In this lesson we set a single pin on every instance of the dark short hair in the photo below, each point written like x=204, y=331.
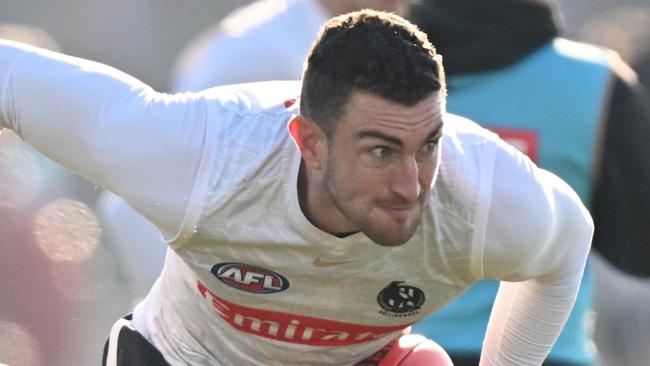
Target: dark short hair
x=370, y=51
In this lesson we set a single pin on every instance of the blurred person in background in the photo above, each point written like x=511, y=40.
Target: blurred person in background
x=265, y=40
x=621, y=300
x=575, y=109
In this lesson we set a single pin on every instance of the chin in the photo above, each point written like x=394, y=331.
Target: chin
x=390, y=233
x=391, y=239
x=390, y=243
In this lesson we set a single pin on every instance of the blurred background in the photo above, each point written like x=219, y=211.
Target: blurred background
x=62, y=283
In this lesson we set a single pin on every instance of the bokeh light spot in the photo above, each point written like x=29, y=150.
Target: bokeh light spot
x=17, y=345
x=67, y=230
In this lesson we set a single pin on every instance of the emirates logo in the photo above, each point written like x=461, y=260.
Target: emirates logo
x=293, y=328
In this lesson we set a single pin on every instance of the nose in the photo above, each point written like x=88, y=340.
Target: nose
x=406, y=180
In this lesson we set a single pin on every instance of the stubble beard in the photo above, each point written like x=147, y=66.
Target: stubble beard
x=377, y=232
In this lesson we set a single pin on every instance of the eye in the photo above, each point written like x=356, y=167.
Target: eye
x=381, y=152
x=430, y=147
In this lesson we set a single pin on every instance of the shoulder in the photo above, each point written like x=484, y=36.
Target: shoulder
x=262, y=24
x=467, y=151
x=522, y=215
x=251, y=115
x=248, y=126
x=581, y=51
x=461, y=134
x=591, y=55
x=261, y=14
x=534, y=218
x=255, y=97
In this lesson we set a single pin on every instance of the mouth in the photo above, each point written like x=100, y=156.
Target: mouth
x=398, y=212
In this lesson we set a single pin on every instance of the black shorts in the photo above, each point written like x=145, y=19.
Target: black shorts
x=127, y=347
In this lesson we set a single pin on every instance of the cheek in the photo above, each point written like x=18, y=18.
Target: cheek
x=363, y=182
x=361, y=185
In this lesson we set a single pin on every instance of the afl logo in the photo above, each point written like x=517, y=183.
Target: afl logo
x=400, y=299
x=249, y=278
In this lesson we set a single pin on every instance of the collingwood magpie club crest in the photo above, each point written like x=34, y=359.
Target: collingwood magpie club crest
x=398, y=300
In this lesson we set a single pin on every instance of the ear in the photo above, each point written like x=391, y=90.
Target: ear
x=311, y=141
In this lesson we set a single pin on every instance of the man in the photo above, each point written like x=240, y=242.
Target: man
x=575, y=109
x=323, y=242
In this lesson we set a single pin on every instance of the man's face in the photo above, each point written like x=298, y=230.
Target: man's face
x=381, y=165
x=399, y=7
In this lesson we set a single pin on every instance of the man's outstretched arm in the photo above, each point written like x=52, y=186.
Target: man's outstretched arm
x=537, y=241
x=108, y=127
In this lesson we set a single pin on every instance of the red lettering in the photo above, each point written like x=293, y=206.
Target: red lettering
x=525, y=140
x=291, y=327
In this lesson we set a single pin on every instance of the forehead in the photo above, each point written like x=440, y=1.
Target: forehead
x=368, y=111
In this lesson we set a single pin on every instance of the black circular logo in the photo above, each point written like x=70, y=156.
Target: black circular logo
x=400, y=299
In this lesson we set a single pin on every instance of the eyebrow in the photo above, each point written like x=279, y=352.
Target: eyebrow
x=433, y=135
x=379, y=135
